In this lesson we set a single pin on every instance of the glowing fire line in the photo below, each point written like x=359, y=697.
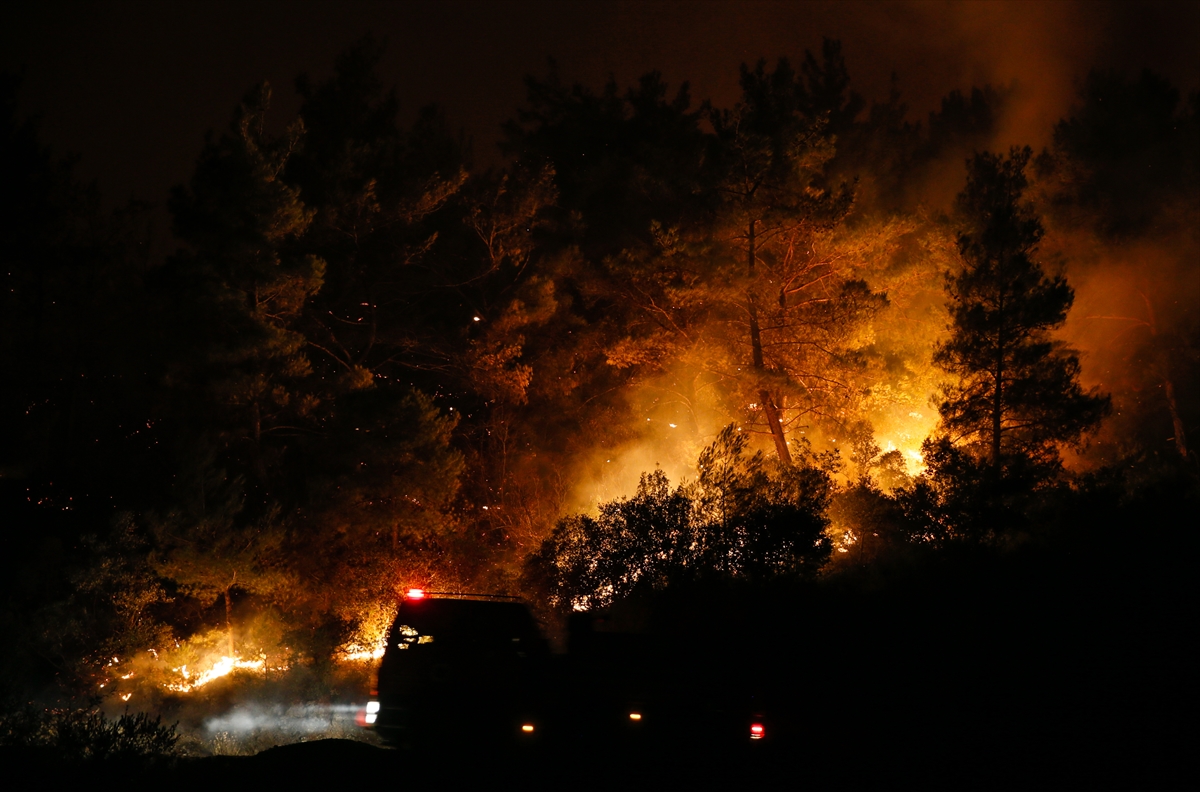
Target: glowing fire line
x=222, y=667
x=359, y=654
x=367, y=645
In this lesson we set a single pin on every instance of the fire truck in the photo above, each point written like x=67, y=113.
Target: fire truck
x=460, y=667
x=471, y=668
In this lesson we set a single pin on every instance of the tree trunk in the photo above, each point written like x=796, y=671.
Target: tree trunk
x=229, y=612
x=770, y=408
x=1168, y=386
x=775, y=421
x=997, y=400
x=1176, y=420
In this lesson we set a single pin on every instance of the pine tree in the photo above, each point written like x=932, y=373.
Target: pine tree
x=1016, y=395
x=249, y=283
x=793, y=309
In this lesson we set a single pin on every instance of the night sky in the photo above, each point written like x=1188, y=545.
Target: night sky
x=132, y=87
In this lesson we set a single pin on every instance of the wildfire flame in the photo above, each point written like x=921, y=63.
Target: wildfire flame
x=196, y=665
x=354, y=653
x=223, y=666
x=370, y=639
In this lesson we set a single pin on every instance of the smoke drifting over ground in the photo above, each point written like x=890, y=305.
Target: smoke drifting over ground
x=248, y=712
x=250, y=727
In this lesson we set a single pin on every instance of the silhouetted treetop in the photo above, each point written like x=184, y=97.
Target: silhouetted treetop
x=1017, y=393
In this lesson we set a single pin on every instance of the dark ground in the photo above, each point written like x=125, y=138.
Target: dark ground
x=1043, y=668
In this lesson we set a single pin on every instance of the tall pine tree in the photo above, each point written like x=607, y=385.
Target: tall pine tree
x=1015, y=396
x=248, y=281
x=793, y=309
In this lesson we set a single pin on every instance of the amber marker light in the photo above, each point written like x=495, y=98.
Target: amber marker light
x=527, y=728
x=635, y=716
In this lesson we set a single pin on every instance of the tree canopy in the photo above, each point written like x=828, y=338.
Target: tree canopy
x=1016, y=394
x=744, y=518
x=369, y=364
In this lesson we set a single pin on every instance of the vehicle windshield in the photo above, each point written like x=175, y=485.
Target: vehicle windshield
x=462, y=621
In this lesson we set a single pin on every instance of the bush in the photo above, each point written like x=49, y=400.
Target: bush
x=745, y=518
x=78, y=735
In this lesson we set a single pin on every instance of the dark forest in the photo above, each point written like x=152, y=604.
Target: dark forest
x=928, y=404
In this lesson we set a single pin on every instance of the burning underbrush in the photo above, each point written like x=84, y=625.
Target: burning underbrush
x=186, y=666
x=269, y=690
x=369, y=638
x=253, y=706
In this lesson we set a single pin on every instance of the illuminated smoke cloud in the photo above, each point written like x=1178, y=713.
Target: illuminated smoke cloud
x=297, y=719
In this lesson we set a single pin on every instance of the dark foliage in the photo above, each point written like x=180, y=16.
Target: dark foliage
x=744, y=518
x=1127, y=159
x=1014, y=399
x=87, y=735
x=1016, y=393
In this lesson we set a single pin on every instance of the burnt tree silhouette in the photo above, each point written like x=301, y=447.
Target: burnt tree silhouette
x=1016, y=396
